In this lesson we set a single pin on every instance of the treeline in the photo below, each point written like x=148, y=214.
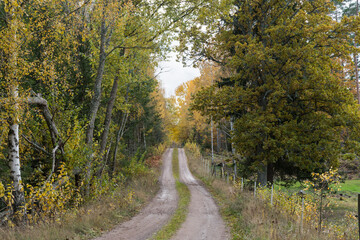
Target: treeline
x=281, y=86
x=78, y=96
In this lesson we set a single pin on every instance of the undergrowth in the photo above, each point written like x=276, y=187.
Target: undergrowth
x=95, y=216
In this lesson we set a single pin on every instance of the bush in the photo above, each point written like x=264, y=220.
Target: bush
x=193, y=148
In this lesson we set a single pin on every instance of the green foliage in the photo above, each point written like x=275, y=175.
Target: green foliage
x=53, y=51
x=293, y=113
x=136, y=166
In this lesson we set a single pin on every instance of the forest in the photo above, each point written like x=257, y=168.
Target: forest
x=82, y=110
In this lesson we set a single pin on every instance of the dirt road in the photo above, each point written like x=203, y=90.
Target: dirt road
x=203, y=220
x=156, y=214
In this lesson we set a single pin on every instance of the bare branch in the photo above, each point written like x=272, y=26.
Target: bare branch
x=35, y=145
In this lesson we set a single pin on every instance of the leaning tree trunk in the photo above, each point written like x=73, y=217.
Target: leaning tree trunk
x=105, y=133
x=119, y=134
x=109, y=108
x=95, y=103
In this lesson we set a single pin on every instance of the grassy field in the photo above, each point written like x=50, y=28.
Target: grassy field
x=351, y=186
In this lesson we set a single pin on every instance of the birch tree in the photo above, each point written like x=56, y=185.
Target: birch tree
x=13, y=68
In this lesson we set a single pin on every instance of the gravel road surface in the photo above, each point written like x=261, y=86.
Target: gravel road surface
x=155, y=215
x=203, y=220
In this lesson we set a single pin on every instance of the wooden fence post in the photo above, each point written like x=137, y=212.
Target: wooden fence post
x=255, y=189
x=272, y=193
x=302, y=214
x=242, y=184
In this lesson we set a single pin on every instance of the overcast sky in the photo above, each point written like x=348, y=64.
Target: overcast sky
x=173, y=74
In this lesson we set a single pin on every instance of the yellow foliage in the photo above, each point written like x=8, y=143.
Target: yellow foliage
x=45, y=202
x=291, y=205
x=2, y=190
x=193, y=148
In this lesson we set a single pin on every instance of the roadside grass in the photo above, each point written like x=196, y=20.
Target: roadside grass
x=249, y=218
x=230, y=203
x=181, y=212
x=95, y=217
x=339, y=205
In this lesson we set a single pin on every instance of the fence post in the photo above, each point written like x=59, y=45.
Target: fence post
x=222, y=171
x=272, y=193
x=302, y=214
x=242, y=184
x=255, y=189
x=207, y=168
x=227, y=177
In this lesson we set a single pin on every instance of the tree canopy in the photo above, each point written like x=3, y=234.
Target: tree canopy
x=294, y=114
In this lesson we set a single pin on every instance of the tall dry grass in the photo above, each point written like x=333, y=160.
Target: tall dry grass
x=253, y=218
x=95, y=217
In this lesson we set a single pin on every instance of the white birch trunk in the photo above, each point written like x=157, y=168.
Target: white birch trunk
x=13, y=134
x=14, y=157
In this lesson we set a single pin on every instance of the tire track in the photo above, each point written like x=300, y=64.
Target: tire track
x=203, y=220
x=155, y=215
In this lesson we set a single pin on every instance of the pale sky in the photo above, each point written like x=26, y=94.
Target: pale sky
x=173, y=74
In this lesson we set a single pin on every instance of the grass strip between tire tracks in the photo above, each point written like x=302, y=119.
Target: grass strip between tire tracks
x=182, y=210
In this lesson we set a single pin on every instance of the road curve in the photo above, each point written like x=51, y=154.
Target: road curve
x=203, y=220
x=155, y=215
